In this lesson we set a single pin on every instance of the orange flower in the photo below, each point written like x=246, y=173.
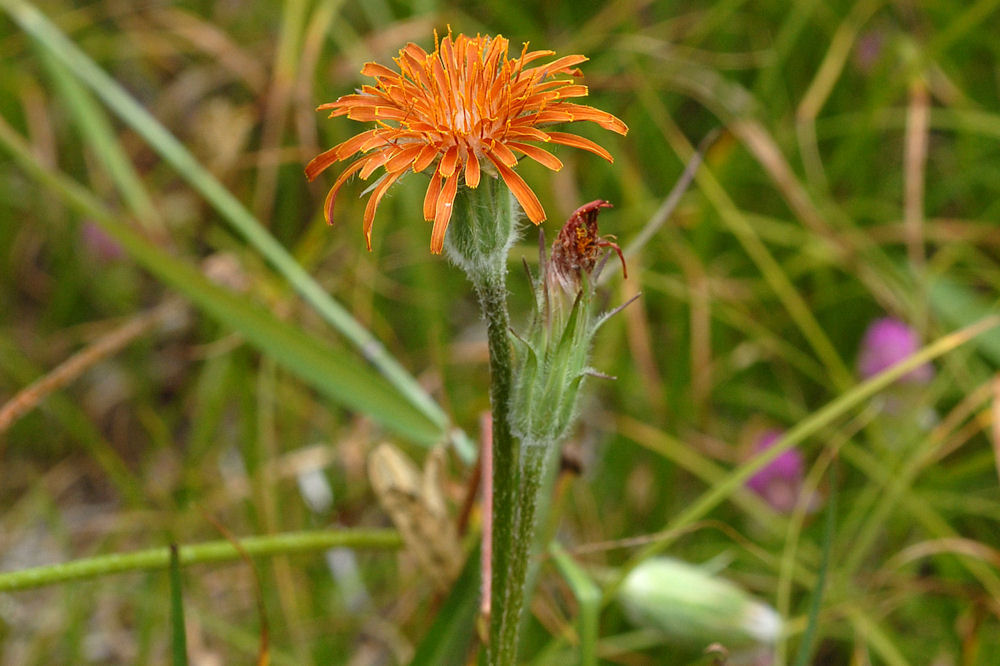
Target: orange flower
x=467, y=108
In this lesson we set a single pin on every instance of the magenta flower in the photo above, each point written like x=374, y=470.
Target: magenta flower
x=780, y=482
x=887, y=342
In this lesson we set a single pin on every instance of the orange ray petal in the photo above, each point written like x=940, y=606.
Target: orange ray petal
x=331, y=196
x=572, y=91
x=404, y=157
x=550, y=116
x=550, y=84
x=381, y=137
x=375, y=70
x=321, y=162
x=472, y=171
x=535, y=55
x=427, y=154
x=496, y=50
x=539, y=100
x=373, y=202
x=527, y=132
x=602, y=118
x=543, y=157
x=347, y=102
x=442, y=214
x=502, y=153
x=374, y=161
x=347, y=148
x=448, y=54
x=423, y=127
x=431, y=196
x=415, y=52
x=414, y=67
x=525, y=196
x=579, y=142
x=380, y=112
x=557, y=66
x=449, y=161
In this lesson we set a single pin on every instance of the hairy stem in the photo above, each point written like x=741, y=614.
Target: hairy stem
x=506, y=585
x=535, y=465
x=478, y=241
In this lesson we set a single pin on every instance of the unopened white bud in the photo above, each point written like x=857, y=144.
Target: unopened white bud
x=689, y=605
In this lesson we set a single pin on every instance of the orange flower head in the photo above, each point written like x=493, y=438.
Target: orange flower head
x=465, y=109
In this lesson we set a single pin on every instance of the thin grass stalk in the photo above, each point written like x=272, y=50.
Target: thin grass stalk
x=158, y=559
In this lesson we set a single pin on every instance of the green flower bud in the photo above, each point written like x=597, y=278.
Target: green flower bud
x=691, y=606
x=552, y=356
x=485, y=226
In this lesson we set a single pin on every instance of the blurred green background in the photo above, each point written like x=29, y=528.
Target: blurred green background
x=856, y=176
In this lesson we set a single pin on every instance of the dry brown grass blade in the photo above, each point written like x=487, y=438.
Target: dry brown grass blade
x=210, y=39
x=958, y=425
x=669, y=205
x=953, y=545
x=70, y=369
x=304, y=106
x=264, y=649
x=833, y=63
x=700, y=326
x=914, y=168
x=641, y=348
x=995, y=430
x=764, y=148
x=277, y=108
x=847, y=244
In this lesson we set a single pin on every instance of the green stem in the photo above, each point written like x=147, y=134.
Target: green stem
x=505, y=580
x=211, y=551
x=478, y=241
x=535, y=464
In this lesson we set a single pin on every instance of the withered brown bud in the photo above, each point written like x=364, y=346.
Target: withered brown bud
x=575, y=250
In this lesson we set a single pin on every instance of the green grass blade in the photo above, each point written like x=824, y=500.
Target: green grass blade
x=448, y=640
x=179, y=639
x=332, y=371
x=33, y=22
x=816, y=603
x=588, y=597
x=959, y=306
x=95, y=130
